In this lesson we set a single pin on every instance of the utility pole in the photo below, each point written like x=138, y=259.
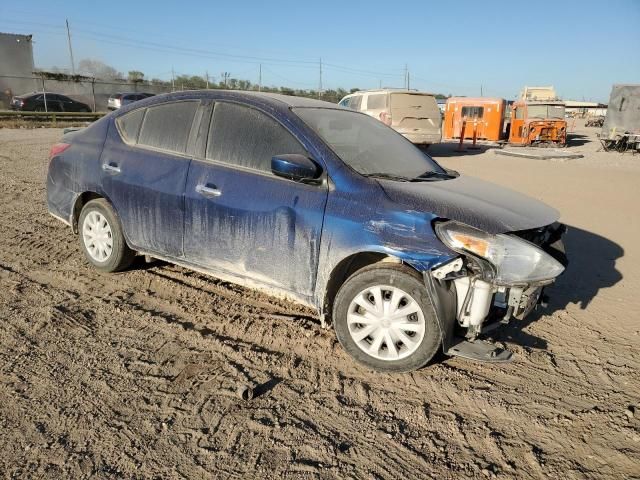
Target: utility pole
x=260, y=78
x=207, y=77
x=73, y=66
x=320, y=85
x=225, y=76
x=173, y=80
x=408, y=80
x=481, y=90
x=406, y=76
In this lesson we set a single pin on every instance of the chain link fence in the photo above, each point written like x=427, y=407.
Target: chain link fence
x=93, y=93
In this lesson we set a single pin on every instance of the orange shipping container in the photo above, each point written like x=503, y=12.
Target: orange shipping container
x=485, y=115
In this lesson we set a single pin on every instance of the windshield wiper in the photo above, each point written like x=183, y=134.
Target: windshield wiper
x=434, y=174
x=388, y=176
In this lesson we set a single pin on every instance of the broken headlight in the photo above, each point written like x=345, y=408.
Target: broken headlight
x=514, y=260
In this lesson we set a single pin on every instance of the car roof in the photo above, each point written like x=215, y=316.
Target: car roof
x=390, y=90
x=25, y=95
x=240, y=95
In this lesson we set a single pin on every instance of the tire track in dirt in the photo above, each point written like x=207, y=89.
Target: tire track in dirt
x=132, y=375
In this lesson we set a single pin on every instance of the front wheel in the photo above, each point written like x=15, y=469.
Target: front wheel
x=384, y=319
x=101, y=237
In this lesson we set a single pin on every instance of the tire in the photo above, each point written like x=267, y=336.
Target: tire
x=101, y=237
x=415, y=338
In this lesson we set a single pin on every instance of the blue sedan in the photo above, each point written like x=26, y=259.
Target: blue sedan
x=307, y=200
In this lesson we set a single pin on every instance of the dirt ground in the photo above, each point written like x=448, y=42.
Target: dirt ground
x=133, y=375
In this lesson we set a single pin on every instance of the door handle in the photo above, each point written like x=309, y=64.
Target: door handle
x=107, y=167
x=208, y=191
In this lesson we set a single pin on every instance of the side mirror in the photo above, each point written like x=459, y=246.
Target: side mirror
x=295, y=167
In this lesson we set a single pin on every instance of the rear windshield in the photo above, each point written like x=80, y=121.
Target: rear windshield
x=366, y=144
x=414, y=103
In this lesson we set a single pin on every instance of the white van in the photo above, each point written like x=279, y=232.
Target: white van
x=411, y=113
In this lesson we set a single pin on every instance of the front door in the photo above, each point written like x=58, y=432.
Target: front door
x=517, y=134
x=242, y=219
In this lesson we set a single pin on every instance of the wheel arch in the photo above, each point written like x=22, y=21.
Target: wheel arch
x=84, y=198
x=347, y=267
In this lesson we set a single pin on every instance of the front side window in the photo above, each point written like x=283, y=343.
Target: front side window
x=519, y=113
x=246, y=137
x=355, y=102
x=167, y=126
x=366, y=144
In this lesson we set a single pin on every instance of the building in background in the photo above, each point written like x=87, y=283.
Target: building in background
x=16, y=60
x=539, y=93
x=585, y=109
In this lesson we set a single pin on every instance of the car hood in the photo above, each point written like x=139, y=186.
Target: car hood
x=472, y=201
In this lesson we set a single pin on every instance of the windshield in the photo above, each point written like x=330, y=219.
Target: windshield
x=366, y=144
x=545, y=111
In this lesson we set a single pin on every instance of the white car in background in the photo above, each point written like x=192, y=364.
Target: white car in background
x=413, y=114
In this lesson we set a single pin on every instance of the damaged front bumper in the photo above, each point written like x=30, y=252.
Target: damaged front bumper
x=469, y=301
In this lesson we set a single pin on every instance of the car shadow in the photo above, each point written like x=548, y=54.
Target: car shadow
x=450, y=149
x=592, y=267
x=577, y=140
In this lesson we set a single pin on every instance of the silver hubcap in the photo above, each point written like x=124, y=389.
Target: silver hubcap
x=97, y=236
x=386, y=322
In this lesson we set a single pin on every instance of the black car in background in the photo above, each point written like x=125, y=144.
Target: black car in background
x=35, y=102
x=118, y=100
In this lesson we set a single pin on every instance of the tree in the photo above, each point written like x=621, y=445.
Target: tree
x=135, y=76
x=98, y=69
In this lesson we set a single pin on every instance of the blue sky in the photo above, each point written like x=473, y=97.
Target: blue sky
x=580, y=47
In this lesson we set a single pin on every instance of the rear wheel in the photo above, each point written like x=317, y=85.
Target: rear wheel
x=101, y=237
x=384, y=318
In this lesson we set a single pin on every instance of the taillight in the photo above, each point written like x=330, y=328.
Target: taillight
x=57, y=149
x=385, y=118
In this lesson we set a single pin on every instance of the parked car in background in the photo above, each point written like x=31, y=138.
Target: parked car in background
x=413, y=114
x=47, y=102
x=121, y=99
x=344, y=215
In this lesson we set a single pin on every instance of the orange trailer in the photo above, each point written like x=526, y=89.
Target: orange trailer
x=484, y=115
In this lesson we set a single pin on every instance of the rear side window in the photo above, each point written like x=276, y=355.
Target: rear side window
x=377, y=102
x=355, y=102
x=129, y=125
x=167, y=126
x=246, y=137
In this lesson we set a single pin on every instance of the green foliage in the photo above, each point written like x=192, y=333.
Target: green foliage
x=135, y=76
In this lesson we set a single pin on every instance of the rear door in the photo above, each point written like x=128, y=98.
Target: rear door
x=415, y=113
x=242, y=219
x=145, y=162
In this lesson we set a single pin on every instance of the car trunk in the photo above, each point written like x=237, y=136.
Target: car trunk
x=415, y=113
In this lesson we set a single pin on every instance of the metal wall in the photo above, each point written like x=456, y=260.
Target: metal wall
x=623, y=114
